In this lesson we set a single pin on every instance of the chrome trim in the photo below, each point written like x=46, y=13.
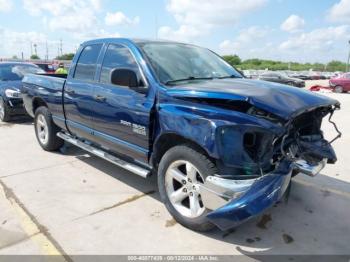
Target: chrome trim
x=110, y=158
x=217, y=192
x=311, y=170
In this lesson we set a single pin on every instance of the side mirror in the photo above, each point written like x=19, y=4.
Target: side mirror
x=128, y=78
x=124, y=77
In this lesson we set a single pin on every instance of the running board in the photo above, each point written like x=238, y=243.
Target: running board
x=100, y=153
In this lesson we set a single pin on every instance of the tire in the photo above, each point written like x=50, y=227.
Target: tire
x=179, y=158
x=4, y=111
x=46, y=130
x=338, y=89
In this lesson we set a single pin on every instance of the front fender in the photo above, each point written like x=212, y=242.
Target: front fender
x=202, y=124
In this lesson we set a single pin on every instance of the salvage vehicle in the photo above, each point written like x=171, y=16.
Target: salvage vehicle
x=11, y=75
x=282, y=79
x=224, y=147
x=340, y=84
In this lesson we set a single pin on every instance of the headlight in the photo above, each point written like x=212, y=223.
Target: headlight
x=10, y=93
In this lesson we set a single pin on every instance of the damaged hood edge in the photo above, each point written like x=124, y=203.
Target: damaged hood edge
x=283, y=101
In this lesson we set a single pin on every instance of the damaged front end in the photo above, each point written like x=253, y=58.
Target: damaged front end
x=255, y=173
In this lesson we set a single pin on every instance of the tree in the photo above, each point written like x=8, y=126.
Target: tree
x=34, y=57
x=233, y=59
x=68, y=56
x=14, y=57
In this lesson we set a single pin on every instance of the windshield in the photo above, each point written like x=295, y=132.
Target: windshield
x=174, y=62
x=16, y=72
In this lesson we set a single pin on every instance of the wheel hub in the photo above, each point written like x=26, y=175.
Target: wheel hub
x=183, y=188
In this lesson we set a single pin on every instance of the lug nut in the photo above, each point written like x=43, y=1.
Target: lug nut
x=189, y=180
x=191, y=193
x=184, y=190
x=184, y=182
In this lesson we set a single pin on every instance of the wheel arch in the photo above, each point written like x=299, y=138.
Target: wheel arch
x=168, y=140
x=38, y=102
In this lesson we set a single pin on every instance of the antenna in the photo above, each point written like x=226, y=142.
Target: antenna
x=156, y=25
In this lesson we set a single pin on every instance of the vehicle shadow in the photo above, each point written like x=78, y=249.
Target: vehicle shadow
x=18, y=120
x=314, y=219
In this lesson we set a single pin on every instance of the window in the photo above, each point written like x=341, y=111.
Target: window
x=86, y=65
x=117, y=57
x=173, y=62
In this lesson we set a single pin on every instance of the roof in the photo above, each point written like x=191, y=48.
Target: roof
x=128, y=40
x=16, y=63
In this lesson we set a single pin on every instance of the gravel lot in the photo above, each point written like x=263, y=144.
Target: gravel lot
x=74, y=203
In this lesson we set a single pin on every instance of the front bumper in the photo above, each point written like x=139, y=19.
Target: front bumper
x=251, y=197
x=15, y=106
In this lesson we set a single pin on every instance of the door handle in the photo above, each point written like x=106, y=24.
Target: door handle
x=70, y=91
x=100, y=98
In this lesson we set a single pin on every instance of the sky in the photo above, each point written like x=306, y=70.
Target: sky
x=287, y=30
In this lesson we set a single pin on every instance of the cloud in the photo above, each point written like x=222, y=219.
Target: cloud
x=327, y=43
x=340, y=12
x=67, y=15
x=119, y=18
x=198, y=19
x=6, y=5
x=293, y=24
x=247, y=39
x=12, y=41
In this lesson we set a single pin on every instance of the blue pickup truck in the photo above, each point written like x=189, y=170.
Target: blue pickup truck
x=224, y=147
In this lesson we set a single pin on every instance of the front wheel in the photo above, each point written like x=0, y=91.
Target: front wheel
x=338, y=89
x=4, y=112
x=46, y=130
x=181, y=172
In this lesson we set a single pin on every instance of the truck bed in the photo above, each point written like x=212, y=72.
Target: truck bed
x=46, y=89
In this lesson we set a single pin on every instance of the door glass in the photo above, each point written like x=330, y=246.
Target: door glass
x=86, y=66
x=117, y=56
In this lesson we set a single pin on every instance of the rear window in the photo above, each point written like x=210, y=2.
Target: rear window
x=86, y=66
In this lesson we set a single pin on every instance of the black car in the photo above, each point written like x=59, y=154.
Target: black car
x=11, y=74
x=282, y=79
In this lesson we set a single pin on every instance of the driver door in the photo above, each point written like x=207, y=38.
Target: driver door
x=120, y=114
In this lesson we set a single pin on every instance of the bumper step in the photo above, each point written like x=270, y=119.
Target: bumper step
x=110, y=158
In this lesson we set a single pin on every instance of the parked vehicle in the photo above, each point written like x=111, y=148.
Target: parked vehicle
x=47, y=67
x=224, y=147
x=282, y=79
x=11, y=74
x=301, y=76
x=340, y=84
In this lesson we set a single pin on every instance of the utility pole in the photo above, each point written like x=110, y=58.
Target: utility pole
x=347, y=65
x=61, y=47
x=35, y=50
x=47, y=52
x=31, y=48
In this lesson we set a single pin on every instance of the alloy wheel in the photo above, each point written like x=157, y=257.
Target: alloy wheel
x=42, y=129
x=2, y=110
x=182, y=183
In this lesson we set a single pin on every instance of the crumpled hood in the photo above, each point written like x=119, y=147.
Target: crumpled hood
x=281, y=100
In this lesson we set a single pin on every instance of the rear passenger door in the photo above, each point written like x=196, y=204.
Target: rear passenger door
x=78, y=93
x=121, y=115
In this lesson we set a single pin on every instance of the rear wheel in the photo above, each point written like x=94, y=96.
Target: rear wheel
x=338, y=89
x=46, y=130
x=4, y=111
x=181, y=172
